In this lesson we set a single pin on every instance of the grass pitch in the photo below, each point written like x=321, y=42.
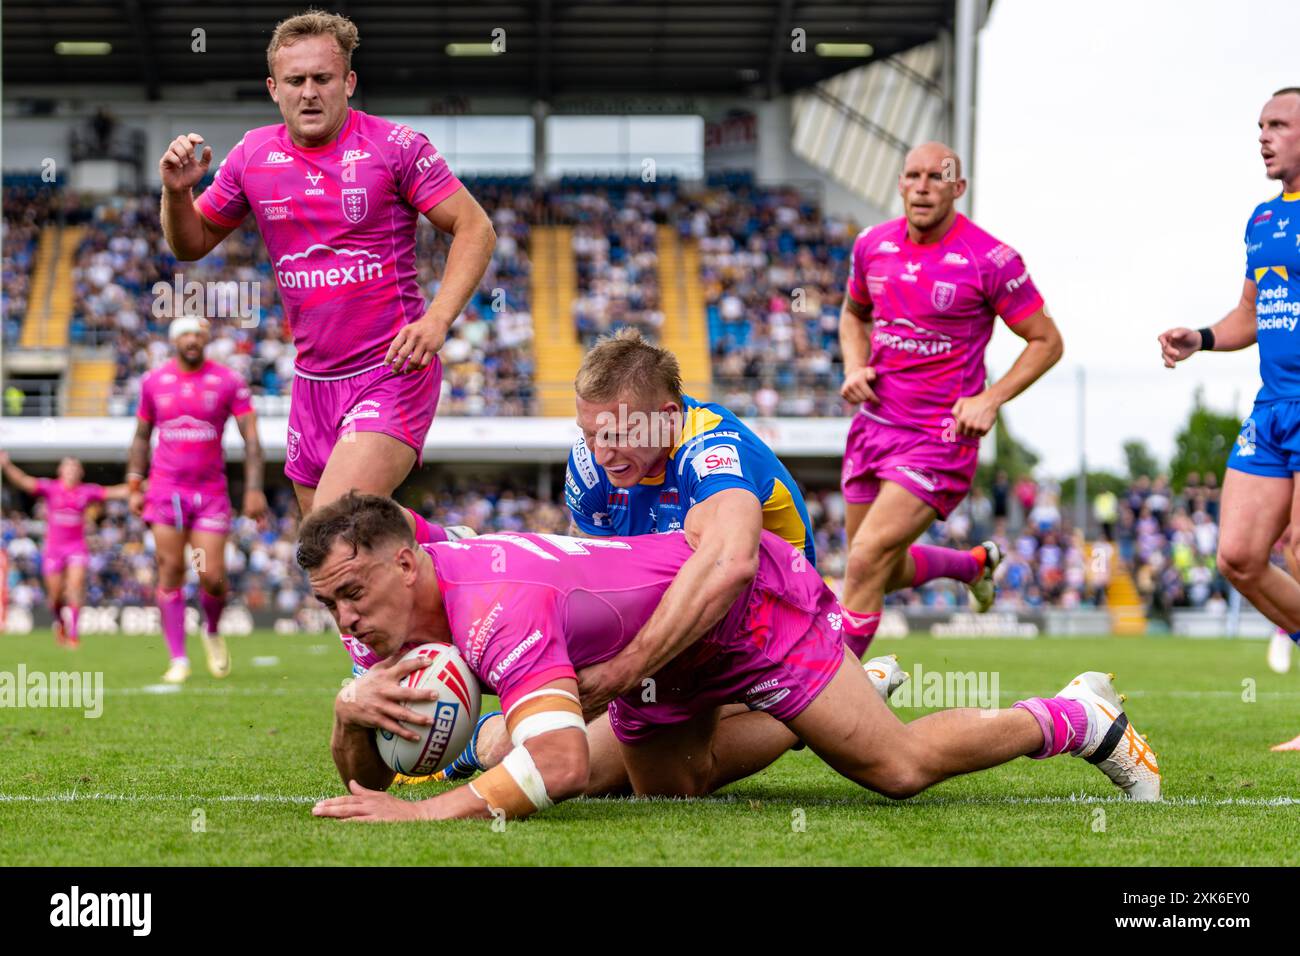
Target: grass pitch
x=225, y=773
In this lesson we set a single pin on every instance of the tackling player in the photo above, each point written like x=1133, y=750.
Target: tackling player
x=528, y=612
x=63, y=560
x=1259, y=485
x=923, y=293
x=188, y=399
x=336, y=194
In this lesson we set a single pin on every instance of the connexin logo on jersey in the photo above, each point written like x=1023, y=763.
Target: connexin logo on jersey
x=331, y=273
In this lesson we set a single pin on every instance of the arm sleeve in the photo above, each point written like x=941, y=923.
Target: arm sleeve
x=95, y=492
x=146, y=410
x=42, y=489
x=241, y=397
x=525, y=648
x=857, y=285
x=1013, y=294
x=1246, y=239
x=423, y=177
x=224, y=202
x=585, y=493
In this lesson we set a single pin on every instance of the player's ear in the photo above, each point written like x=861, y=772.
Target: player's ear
x=959, y=188
x=270, y=88
x=350, y=84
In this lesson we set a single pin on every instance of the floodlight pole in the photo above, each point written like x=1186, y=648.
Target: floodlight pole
x=1081, y=486
x=968, y=16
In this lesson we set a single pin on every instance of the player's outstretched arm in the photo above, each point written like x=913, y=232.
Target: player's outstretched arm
x=974, y=415
x=254, y=496
x=117, y=492
x=25, y=482
x=725, y=529
x=189, y=234
x=1236, y=330
x=549, y=763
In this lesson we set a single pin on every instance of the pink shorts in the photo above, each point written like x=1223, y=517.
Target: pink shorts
x=936, y=471
x=322, y=411
x=781, y=659
x=187, y=510
x=55, y=560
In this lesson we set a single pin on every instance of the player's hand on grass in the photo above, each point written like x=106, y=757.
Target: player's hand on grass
x=1178, y=344
x=857, y=385
x=416, y=344
x=974, y=415
x=368, y=806
x=255, y=503
x=181, y=167
x=376, y=699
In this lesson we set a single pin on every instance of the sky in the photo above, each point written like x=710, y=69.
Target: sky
x=1117, y=149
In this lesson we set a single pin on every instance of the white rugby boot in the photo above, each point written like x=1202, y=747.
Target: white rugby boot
x=1280, y=647
x=1112, y=743
x=885, y=674
x=178, y=671
x=983, y=591
x=214, y=647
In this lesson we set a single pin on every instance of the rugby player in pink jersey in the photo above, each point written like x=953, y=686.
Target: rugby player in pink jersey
x=336, y=194
x=529, y=611
x=63, y=561
x=188, y=400
x=923, y=295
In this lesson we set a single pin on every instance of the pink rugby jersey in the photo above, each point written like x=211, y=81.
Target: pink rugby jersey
x=528, y=609
x=933, y=308
x=339, y=223
x=189, y=411
x=65, y=531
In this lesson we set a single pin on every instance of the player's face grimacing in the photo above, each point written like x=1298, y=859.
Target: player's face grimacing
x=369, y=593
x=1279, y=136
x=930, y=184
x=311, y=86
x=629, y=441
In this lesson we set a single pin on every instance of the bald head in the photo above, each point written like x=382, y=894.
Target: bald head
x=1279, y=137
x=930, y=184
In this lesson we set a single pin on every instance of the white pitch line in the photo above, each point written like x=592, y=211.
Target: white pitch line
x=729, y=799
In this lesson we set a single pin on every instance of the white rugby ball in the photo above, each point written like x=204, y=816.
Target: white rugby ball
x=454, y=713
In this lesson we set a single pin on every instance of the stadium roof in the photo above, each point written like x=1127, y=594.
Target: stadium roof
x=553, y=47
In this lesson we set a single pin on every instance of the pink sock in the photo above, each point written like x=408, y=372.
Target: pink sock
x=426, y=532
x=74, y=618
x=172, y=606
x=932, y=562
x=859, y=629
x=213, y=605
x=1064, y=723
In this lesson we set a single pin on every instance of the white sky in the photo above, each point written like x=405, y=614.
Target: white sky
x=1116, y=149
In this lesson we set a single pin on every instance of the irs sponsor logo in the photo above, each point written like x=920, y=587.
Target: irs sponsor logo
x=276, y=158
x=1264, y=216
x=717, y=460
x=943, y=295
x=619, y=498
x=353, y=155
x=519, y=651
x=337, y=274
x=354, y=203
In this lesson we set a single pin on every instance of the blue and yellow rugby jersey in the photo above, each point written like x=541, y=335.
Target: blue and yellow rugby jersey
x=1273, y=262
x=716, y=452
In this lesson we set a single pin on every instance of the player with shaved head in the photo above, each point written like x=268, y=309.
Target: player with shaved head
x=923, y=294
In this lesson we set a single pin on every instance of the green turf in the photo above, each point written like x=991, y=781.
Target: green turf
x=247, y=756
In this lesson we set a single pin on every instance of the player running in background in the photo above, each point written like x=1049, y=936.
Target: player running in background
x=188, y=399
x=923, y=294
x=528, y=612
x=1259, y=498
x=336, y=194
x=63, y=560
x=651, y=459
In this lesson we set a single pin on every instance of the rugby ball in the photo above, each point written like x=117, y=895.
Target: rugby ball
x=455, y=712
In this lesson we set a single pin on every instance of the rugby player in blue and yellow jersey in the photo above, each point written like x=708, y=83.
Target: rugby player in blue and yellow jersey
x=1259, y=487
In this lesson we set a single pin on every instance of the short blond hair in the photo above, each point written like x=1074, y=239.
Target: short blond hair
x=625, y=365
x=314, y=23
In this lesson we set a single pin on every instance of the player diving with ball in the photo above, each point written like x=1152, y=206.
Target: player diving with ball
x=529, y=612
